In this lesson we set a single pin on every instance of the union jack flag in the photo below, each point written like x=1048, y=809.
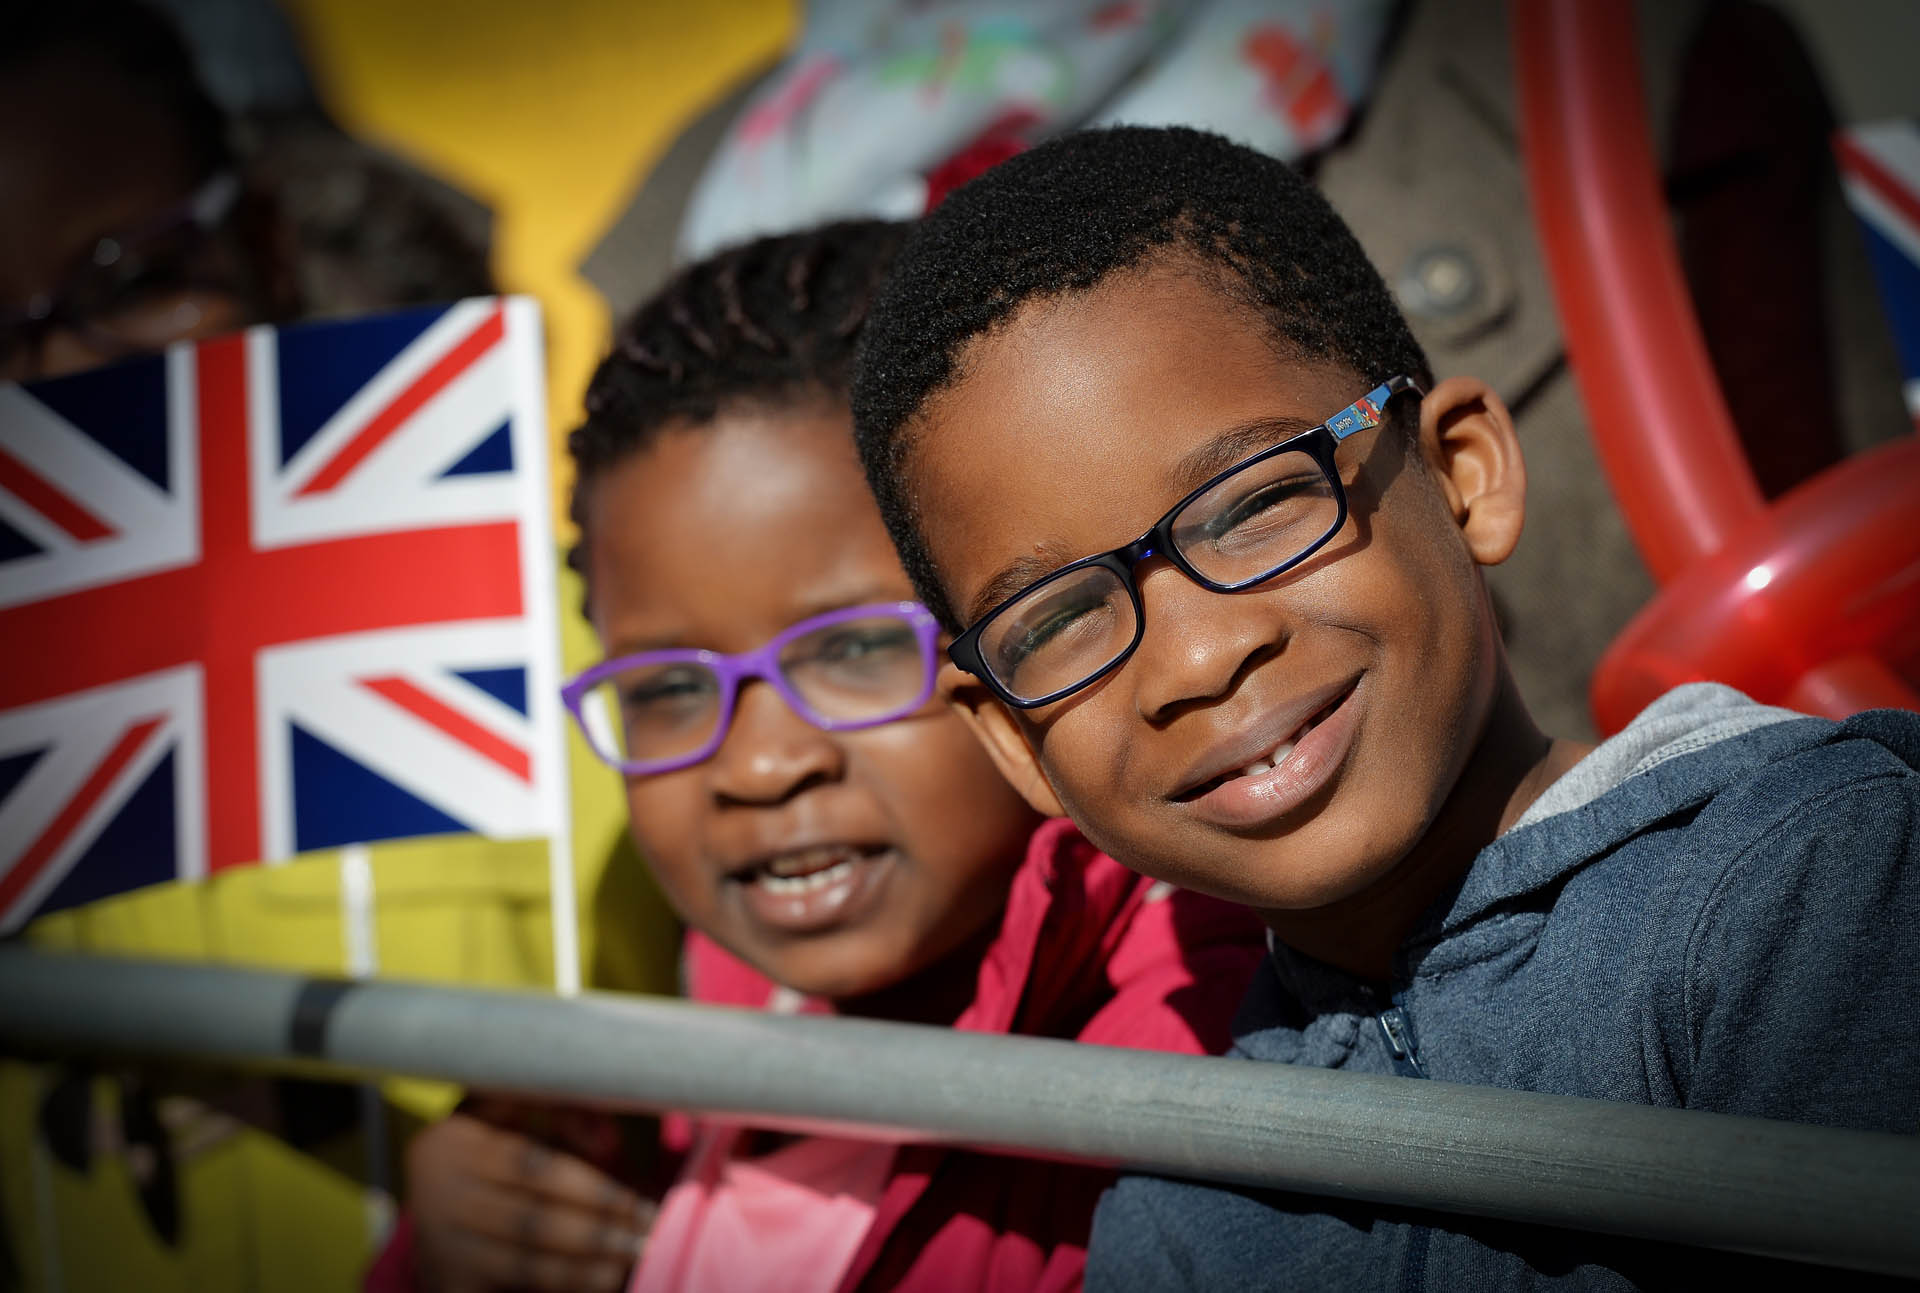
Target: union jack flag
x=279, y=591
x=1880, y=170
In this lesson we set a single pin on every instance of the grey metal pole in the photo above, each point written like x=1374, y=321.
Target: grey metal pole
x=1817, y=1194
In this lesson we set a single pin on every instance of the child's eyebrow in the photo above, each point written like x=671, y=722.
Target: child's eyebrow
x=641, y=645
x=1194, y=469
x=1010, y=579
x=860, y=594
x=1208, y=460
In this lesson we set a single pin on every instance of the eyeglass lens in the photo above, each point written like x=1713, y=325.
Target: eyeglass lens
x=670, y=706
x=1244, y=528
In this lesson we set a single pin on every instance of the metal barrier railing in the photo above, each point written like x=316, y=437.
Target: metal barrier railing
x=1842, y=1198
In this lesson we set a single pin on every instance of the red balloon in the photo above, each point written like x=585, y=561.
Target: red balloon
x=1812, y=601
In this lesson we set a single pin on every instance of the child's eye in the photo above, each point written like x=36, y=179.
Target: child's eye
x=858, y=644
x=669, y=687
x=1049, y=627
x=141, y=275
x=1271, y=506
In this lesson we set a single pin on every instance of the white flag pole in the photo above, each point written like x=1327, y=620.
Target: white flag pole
x=566, y=929
x=531, y=447
x=363, y=962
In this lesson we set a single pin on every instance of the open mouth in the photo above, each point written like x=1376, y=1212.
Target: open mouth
x=805, y=871
x=813, y=888
x=1273, y=758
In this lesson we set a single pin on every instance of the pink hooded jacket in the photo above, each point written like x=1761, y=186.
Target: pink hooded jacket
x=1086, y=950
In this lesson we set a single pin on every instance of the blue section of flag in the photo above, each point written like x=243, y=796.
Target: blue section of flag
x=508, y=686
x=15, y=545
x=337, y=801
x=323, y=365
x=122, y=408
x=134, y=849
x=446, y=466
x=14, y=769
x=494, y=454
x=1899, y=281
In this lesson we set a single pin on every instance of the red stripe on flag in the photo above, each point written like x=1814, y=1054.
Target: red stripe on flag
x=220, y=624
x=388, y=420
x=25, y=871
x=1872, y=172
x=437, y=713
x=45, y=498
x=260, y=599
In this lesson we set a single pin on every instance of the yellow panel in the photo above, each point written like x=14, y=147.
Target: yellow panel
x=99, y=1237
x=291, y=1250
x=551, y=113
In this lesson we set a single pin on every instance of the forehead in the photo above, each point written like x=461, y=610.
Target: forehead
x=1074, y=427
x=722, y=534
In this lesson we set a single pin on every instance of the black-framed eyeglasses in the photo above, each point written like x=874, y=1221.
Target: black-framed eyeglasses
x=123, y=297
x=1257, y=519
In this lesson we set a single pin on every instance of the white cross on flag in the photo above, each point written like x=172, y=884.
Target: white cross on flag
x=285, y=590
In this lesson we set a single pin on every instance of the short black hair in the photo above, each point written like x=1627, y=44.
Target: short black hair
x=772, y=322
x=1062, y=217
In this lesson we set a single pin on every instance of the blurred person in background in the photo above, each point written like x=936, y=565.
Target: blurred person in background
x=166, y=175
x=135, y=211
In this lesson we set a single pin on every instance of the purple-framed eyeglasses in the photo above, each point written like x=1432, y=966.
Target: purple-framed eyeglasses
x=657, y=711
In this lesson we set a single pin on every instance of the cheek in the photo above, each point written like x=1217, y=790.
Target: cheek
x=950, y=808
x=1084, y=751
x=664, y=817
x=1434, y=627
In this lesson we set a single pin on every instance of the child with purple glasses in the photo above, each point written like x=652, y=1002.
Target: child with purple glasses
x=832, y=835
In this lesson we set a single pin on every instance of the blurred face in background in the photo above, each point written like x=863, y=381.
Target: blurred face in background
x=117, y=236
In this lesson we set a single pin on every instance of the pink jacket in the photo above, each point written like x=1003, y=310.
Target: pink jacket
x=1086, y=950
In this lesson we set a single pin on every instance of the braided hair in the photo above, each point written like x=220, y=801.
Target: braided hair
x=771, y=322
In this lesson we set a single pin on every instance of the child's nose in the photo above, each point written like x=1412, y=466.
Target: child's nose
x=770, y=753
x=1197, y=643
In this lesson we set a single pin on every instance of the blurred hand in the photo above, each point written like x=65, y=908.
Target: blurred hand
x=494, y=1208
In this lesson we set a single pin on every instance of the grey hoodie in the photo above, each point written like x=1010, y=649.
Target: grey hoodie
x=1717, y=909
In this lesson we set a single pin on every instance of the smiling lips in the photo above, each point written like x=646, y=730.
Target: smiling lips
x=813, y=889
x=1261, y=775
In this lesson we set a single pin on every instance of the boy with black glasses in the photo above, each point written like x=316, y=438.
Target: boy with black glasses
x=1153, y=439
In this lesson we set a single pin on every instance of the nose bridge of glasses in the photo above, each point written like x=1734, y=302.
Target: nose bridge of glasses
x=1127, y=561
x=766, y=751
x=772, y=708
x=762, y=664
x=1147, y=545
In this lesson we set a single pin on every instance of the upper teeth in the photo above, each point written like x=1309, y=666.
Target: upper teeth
x=1269, y=763
x=802, y=861
x=797, y=884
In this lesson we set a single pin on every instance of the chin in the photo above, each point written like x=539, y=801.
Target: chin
x=829, y=972
x=1278, y=885
x=833, y=987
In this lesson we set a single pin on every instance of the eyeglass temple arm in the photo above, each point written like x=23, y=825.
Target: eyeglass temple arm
x=1368, y=410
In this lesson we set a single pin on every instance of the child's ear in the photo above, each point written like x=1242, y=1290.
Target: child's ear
x=1003, y=736
x=1468, y=441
